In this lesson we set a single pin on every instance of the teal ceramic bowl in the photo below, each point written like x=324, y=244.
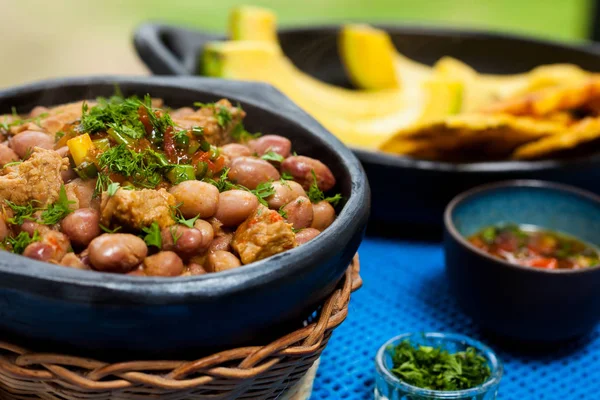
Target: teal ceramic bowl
x=519, y=302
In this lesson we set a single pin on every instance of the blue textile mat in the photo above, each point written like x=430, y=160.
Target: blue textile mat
x=405, y=291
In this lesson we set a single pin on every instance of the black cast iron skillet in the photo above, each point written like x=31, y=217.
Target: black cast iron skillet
x=111, y=316
x=406, y=190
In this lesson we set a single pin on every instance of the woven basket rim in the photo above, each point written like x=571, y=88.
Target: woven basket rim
x=233, y=365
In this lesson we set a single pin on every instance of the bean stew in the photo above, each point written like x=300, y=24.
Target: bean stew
x=127, y=185
x=532, y=246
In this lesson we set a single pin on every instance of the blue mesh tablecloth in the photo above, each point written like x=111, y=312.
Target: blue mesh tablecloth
x=405, y=291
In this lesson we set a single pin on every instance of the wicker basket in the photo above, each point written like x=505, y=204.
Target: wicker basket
x=274, y=371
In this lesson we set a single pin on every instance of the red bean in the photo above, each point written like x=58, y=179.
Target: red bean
x=31, y=226
x=196, y=269
x=82, y=226
x=71, y=260
x=39, y=251
x=221, y=243
x=235, y=206
x=285, y=192
x=323, y=215
x=305, y=235
x=68, y=175
x=7, y=155
x=24, y=142
x=163, y=263
x=299, y=213
x=274, y=143
x=117, y=252
x=234, y=150
x=301, y=167
x=184, y=241
x=63, y=151
x=83, y=192
x=196, y=198
x=58, y=241
x=37, y=111
x=222, y=261
x=251, y=171
x=206, y=229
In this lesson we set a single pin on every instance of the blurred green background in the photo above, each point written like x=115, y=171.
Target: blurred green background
x=44, y=39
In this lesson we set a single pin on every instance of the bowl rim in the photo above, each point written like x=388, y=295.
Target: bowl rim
x=184, y=288
x=404, y=162
x=517, y=183
x=496, y=366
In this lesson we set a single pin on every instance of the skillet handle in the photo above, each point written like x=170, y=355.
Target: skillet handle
x=168, y=50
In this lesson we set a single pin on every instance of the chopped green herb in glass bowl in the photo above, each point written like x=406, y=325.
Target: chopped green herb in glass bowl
x=423, y=366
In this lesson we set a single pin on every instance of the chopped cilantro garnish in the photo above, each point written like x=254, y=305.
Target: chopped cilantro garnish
x=13, y=163
x=286, y=176
x=272, y=156
x=108, y=230
x=334, y=200
x=152, y=237
x=141, y=167
x=316, y=195
x=180, y=219
x=102, y=183
x=175, y=235
x=112, y=188
x=58, y=210
x=436, y=369
x=240, y=134
x=122, y=116
x=263, y=191
x=21, y=213
x=223, y=116
x=282, y=212
x=222, y=183
x=21, y=241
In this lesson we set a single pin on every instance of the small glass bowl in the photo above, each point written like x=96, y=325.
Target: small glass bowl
x=389, y=387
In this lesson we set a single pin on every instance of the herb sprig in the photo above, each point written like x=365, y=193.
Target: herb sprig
x=50, y=215
x=21, y=213
x=140, y=167
x=272, y=156
x=21, y=241
x=316, y=195
x=58, y=210
x=153, y=237
x=180, y=219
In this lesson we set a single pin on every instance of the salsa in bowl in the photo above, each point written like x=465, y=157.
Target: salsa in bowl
x=536, y=247
x=521, y=257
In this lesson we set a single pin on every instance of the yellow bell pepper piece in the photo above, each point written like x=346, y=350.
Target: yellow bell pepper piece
x=79, y=147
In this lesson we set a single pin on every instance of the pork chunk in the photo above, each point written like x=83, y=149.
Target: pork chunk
x=36, y=179
x=209, y=118
x=138, y=208
x=262, y=235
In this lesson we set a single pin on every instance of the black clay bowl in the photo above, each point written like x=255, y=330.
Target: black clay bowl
x=405, y=190
x=56, y=308
x=518, y=302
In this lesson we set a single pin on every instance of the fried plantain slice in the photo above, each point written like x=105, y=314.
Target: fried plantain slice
x=499, y=135
x=549, y=99
x=584, y=131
